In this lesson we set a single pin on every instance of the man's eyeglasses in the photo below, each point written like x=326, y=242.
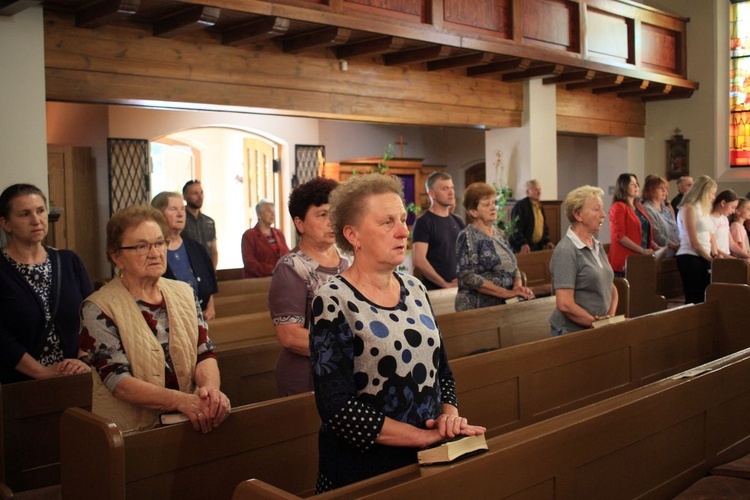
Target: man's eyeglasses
x=145, y=248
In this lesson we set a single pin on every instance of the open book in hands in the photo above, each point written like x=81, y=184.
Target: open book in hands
x=452, y=449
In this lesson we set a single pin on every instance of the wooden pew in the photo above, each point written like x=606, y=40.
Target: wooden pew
x=730, y=271
x=652, y=442
x=532, y=382
x=231, y=305
x=536, y=267
x=241, y=330
x=248, y=374
x=652, y=282
x=239, y=287
x=29, y=430
x=443, y=301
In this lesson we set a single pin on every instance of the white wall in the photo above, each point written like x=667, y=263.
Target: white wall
x=576, y=166
x=23, y=146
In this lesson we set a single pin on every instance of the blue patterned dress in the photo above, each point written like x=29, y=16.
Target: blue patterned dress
x=371, y=362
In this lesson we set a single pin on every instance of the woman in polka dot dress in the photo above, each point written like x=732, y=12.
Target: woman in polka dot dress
x=382, y=382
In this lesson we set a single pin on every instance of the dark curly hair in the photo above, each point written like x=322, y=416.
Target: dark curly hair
x=312, y=193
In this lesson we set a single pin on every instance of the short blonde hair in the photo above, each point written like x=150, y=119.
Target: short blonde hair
x=348, y=198
x=575, y=199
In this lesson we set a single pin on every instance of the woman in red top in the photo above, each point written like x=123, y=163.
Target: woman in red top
x=629, y=226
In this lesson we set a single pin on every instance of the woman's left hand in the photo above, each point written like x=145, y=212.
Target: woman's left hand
x=524, y=291
x=218, y=404
x=72, y=366
x=450, y=426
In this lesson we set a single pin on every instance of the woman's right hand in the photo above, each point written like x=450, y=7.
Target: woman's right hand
x=198, y=410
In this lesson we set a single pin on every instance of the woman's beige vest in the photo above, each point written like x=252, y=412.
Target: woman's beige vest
x=145, y=353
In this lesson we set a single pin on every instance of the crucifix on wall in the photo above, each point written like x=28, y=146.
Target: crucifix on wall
x=400, y=143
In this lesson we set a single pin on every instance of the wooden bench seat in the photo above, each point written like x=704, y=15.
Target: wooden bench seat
x=652, y=442
x=529, y=383
x=241, y=330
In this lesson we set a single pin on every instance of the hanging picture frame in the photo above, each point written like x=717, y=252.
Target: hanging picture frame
x=678, y=156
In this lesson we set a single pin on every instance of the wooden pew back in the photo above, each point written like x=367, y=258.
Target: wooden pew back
x=241, y=330
x=652, y=442
x=652, y=281
x=278, y=439
x=231, y=305
x=536, y=267
x=29, y=430
x=730, y=271
x=239, y=287
x=528, y=383
x=493, y=327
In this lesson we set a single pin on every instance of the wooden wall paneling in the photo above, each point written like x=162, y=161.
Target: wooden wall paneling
x=660, y=49
x=608, y=36
x=494, y=16
x=586, y=113
x=119, y=64
x=416, y=11
x=553, y=24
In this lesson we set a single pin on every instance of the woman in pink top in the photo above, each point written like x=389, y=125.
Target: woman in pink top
x=737, y=232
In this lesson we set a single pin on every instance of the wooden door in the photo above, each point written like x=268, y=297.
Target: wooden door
x=57, y=199
x=475, y=173
x=263, y=182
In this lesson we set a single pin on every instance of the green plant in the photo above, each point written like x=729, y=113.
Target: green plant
x=503, y=194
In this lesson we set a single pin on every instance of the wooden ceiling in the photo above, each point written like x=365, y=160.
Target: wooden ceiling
x=300, y=28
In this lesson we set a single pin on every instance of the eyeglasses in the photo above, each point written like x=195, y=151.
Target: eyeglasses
x=145, y=248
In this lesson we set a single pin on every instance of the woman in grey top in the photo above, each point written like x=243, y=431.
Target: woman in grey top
x=487, y=270
x=661, y=214
x=296, y=279
x=581, y=274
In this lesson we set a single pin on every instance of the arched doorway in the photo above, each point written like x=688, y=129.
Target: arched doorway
x=236, y=170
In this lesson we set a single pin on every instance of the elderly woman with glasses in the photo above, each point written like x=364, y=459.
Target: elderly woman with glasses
x=488, y=273
x=146, y=337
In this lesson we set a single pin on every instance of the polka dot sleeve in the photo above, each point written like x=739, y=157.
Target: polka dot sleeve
x=331, y=349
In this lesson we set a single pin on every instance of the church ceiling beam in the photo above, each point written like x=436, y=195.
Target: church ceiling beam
x=259, y=30
x=511, y=65
x=579, y=75
x=192, y=19
x=371, y=47
x=634, y=85
x=674, y=94
x=101, y=13
x=534, y=72
x=420, y=55
x=462, y=61
x=654, y=89
x=603, y=81
x=316, y=39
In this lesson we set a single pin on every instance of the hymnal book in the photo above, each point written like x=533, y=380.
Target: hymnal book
x=514, y=300
x=608, y=321
x=172, y=418
x=452, y=449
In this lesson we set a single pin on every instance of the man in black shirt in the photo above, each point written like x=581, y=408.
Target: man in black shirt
x=435, y=233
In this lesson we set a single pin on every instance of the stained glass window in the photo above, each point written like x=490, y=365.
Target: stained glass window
x=739, y=84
